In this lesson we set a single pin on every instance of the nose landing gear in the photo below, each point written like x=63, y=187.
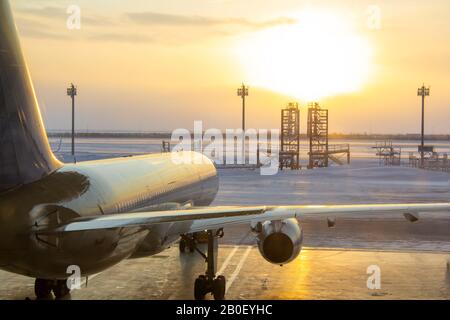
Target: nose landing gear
x=209, y=283
x=43, y=289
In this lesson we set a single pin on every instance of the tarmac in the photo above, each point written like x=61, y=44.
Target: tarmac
x=412, y=260
x=316, y=274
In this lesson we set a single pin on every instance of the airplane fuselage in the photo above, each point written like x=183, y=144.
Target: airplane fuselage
x=151, y=182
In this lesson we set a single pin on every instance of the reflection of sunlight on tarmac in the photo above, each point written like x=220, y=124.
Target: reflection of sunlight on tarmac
x=315, y=274
x=302, y=278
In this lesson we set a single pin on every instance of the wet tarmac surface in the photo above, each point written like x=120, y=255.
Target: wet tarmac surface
x=413, y=258
x=315, y=274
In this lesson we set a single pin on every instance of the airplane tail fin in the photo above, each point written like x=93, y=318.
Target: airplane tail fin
x=25, y=154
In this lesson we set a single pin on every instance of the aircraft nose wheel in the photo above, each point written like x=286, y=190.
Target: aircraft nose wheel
x=60, y=289
x=43, y=288
x=209, y=283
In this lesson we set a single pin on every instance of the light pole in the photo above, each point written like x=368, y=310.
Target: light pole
x=243, y=92
x=423, y=92
x=72, y=92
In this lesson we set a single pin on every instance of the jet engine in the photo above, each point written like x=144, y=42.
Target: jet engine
x=280, y=241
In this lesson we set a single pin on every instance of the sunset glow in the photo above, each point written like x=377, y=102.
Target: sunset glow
x=150, y=60
x=318, y=56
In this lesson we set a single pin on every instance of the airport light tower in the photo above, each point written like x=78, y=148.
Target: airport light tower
x=423, y=92
x=72, y=92
x=243, y=92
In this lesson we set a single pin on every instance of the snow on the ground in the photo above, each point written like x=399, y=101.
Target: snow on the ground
x=356, y=183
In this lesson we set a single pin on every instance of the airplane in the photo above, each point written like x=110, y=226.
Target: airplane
x=95, y=214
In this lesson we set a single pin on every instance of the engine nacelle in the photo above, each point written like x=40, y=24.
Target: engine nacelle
x=280, y=242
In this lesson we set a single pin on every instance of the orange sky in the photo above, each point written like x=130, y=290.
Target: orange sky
x=160, y=65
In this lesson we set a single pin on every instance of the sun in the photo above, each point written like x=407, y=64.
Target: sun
x=318, y=56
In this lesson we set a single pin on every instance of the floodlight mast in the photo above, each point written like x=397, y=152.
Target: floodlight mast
x=243, y=92
x=72, y=92
x=423, y=92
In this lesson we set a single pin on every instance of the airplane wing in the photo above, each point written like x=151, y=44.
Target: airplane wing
x=219, y=217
